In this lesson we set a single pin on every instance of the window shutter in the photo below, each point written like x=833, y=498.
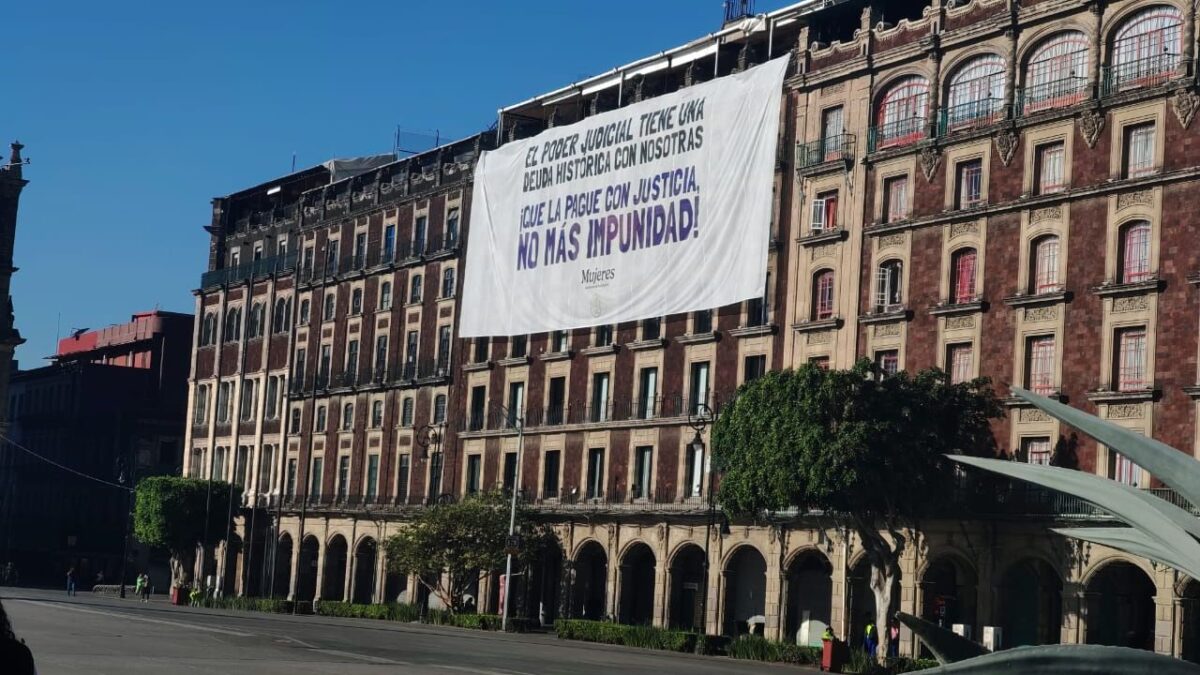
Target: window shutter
x=818, y=215
x=882, y=290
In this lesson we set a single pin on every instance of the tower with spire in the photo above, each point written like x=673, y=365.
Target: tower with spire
x=12, y=182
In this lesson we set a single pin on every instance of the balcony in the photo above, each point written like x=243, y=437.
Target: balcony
x=896, y=134
x=1139, y=73
x=252, y=270
x=831, y=151
x=970, y=116
x=663, y=409
x=1062, y=93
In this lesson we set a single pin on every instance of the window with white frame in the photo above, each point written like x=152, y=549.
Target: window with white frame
x=452, y=227
x=1039, y=364
x=1139, y=150
x=895, y=199
x=1037, y=450
x=902, y=115
x=272, y=398
x=960, y=362
x=1146, y=49
x=822, y=300
x=976, y=92
x=1057, y=72
x=1049, y=168
x=1134, y=258
x=200, y=405
x=888, y=361
x=224, y=401
x=1131, y=359
x=969, y=184
x=1045, y=265
x=824, y=212
x=888, y=279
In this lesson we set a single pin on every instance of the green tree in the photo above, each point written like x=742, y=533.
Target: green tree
x=169, y=513
x=855, y=443
x=448, y=546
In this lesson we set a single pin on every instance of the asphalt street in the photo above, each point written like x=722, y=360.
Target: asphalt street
x=86, y=634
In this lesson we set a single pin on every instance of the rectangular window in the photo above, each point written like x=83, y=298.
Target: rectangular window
x=518, y=346
x=389, y=243
x=888, y=361
x=754, y=367
x=241, y=463
x=481, y=350
x=224, y=390
x=474, y=471
x=959, y=362
x=321, y=418
x=699, y=386
x=1050, y=168
x=1036, y=450
x=315, y=477
x=218, y=470
x=560, y=341
x=478, y=407
x=821, y=362
x=595, y=473
x=1039, y=364
x=510, y=471
x=824, y=212
x=310, y=255
x=352, y=360
x=406, y=412
x=556, y=405
x=600, y=397
x=452, y=228
x=1122, y=470
x=694, y=482
x=970, y=184
x=324, y=366
x=435, y=477
x=604, y=336
x=443, y=353
x=301, y=363
x=414, y=289
x=651, y=329
x=516, y=403
x=643, y=464
x=419, y=228
x=964, y=276
x=291, y=477
x=271, y=398
x=402, y=479
x=895, y=199
x=381, y=347
x=331, y=257
x=1131, y=359
x=266, y=469
x=702, y=322
x=360, y=250
x=647, y=393
x=410, y=355
x=833, y=130
x=372, y=477
x=1139, y=150
x=199, y=405
x=343, y=487
x=550, y=475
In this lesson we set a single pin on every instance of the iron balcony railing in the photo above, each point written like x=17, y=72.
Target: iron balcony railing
x=970, y=115
x=667, y=408
x=839, y=148
x=1140, y=73
x=404, y=253
x=897, y=134
x=1060, y=93
x=251, y=270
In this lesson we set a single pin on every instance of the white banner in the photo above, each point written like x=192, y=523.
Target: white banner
x=657, y=208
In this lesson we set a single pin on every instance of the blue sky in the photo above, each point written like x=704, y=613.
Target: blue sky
x=135, y=114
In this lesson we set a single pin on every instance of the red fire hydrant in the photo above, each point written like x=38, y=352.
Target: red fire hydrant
x=833, y=655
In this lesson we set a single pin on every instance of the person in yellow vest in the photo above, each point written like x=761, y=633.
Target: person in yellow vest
x=870, y=637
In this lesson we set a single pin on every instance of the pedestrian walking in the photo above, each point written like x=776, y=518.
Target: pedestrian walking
x=137, y=585
x=870, y=637
x=15, y=657
x=145, y=587
x=893, y=638
x=71, y=582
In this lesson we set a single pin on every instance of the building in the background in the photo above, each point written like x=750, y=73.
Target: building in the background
x=11, y=183
x=110, y=405
x=994, y=187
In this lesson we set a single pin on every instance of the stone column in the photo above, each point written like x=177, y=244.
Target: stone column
x=621, y=572
x=771, y=602
x=348, y=584
x=294, y=564
x=1096, y=53
x=381, y=577
x=662, y=588
x=784, y=609
x=321, y=552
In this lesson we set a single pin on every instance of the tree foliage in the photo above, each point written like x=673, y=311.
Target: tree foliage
x=169, y=513
x=461, y=540
x=850, y=441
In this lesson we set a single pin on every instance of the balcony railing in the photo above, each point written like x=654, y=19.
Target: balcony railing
x=1060, y=93
x=838, y=148
x=671, y=407
x=251, y=270
x=970, y=115
x=896, y=134
x=1140, y=73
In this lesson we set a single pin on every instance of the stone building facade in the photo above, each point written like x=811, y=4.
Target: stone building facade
x=994, y=187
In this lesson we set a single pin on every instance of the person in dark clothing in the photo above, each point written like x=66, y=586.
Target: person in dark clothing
x=14, y=655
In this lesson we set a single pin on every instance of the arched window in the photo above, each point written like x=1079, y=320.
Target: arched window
x=347, y=417
x=385, y=295
x=233, y=324
x=887, y=286
x=962, y=276
x=208, y=329
x=976, y=93
x=356, y=301
x=1134, y=261
x=330, y=305
x=439, y=409
x=376, y=414
x=406, y=412
x=1057, y=72
x=304, y=311
x=414, y=293
x=448, y=283
x=902, y=113
x=282, y=316
x=254, y=322
x=1044, y=268
x=822, y=303
x=1146, y=49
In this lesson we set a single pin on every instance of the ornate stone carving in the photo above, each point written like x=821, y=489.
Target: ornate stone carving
x=1126, y=411
x=1033, y=415
x=836, y=88
x=891, y=240
x=1130, y=303
x=1091, y=123
x=930, y=159
x=1139, y=198
x=1185, y=102
x=1006, y=143
x=959, y=322
x=661, y=531
x=887, y=330
x=824, y=251
x=1047, y=213
x=1044, y=313
x=820, y=337
x=960, y=229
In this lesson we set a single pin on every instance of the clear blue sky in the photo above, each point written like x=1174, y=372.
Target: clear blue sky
x=136, y=113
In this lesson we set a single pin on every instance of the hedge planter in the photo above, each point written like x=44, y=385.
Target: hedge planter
x=646, y=637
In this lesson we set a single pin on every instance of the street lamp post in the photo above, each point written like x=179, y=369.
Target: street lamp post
x=512, y=521
x=428, y=435
x=699, y=420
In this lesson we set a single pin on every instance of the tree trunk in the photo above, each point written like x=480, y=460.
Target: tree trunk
x=884, y=556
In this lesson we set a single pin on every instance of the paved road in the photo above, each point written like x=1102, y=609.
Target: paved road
x=107, y=635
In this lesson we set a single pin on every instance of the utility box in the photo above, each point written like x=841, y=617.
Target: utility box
x=963, y=629
x=993, y=638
